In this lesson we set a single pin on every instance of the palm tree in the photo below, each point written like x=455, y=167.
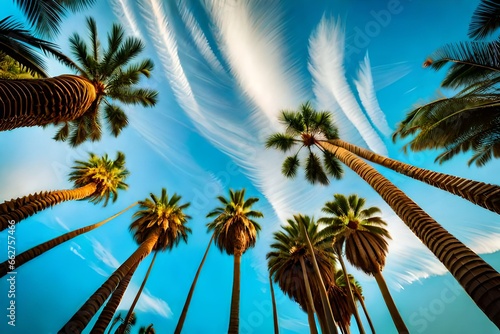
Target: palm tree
x=364, y=237
x=147, y=330
x=114, y=301
x=97, y=180
x=117, y=318
x=159, y=225
x=290, y=263
x=126, y=321
x=235, y=231
x=353, y=285
x=469, y=121
x=79, y=103
x=128, y=327
x=311, y=129
x=30, y=254
x=182, y=317
x=275, y=309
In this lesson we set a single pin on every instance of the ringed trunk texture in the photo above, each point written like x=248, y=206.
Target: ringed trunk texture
x=32, y=102
x=480, y=193
x=185, y=309
x=234, y=318
x=310, y=302
x=275, y=309
x=137, y=295
x=391, y=305
x=83, y=316
x=24, y=207
x=350, y=297
x=109, y=309
x=32, y=253
x=478, y=278
x=325, y=302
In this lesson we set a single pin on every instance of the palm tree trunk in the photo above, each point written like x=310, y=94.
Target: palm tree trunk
x=325, y=302
x=234, y=318
x=110, y=308
x=83, y=316
x=362, y=302
x=138, y=294
x=115, y=321
x=32, y=253
x=275, y=310
x=479, y=279
x=23, y=207
x=32, y=102
x=393, y=310
x=185, y=309
x=310, y=302
x=352, y=302
x=479, y=193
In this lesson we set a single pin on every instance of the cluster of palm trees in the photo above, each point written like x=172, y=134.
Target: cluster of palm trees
x=305, y=255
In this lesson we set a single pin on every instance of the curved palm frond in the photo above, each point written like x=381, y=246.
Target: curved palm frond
x=485, y=19
x=47, y=15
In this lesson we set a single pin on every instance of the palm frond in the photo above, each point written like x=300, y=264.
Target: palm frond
x=281, y=141
x=290, y=166
x=485, y=19
x=314, y=170
x=116, y=119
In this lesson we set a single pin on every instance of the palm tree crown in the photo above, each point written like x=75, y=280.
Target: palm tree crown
x=470, y=120
x=114, y=79
x=359, y=229
x=304, y=128
x=108, y=176
x=164, y=216
x=289, y=247
x=234, y=229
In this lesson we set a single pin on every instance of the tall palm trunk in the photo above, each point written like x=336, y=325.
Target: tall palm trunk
x=115, y=320
x=83, y=316
x=182, y=318
x=137, y=295
x=275, y=310
x=480, y=193
x=350, y=297
x=478, y=278
x=23, y=207
x=110, y=308
x=32, y=253
x=32, y=102
x=393, y=310
x=325, y=302
x=365, y=311
x=234, y=318
x=310, y=302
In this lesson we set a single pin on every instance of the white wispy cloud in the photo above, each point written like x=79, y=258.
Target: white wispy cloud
x=147, y=302
x=293, y=324
x=326, y=65
x=366, y=90
x=103, y=254
x=61, y=223
x=199, y=37
x=75, y=251
x=124, y=12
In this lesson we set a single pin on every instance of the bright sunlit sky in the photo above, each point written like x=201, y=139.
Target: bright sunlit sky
x=224, y=70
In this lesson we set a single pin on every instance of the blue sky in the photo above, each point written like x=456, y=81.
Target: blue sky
x=224, y=70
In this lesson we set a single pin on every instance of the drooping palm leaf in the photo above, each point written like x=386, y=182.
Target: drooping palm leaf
x=485, y=19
